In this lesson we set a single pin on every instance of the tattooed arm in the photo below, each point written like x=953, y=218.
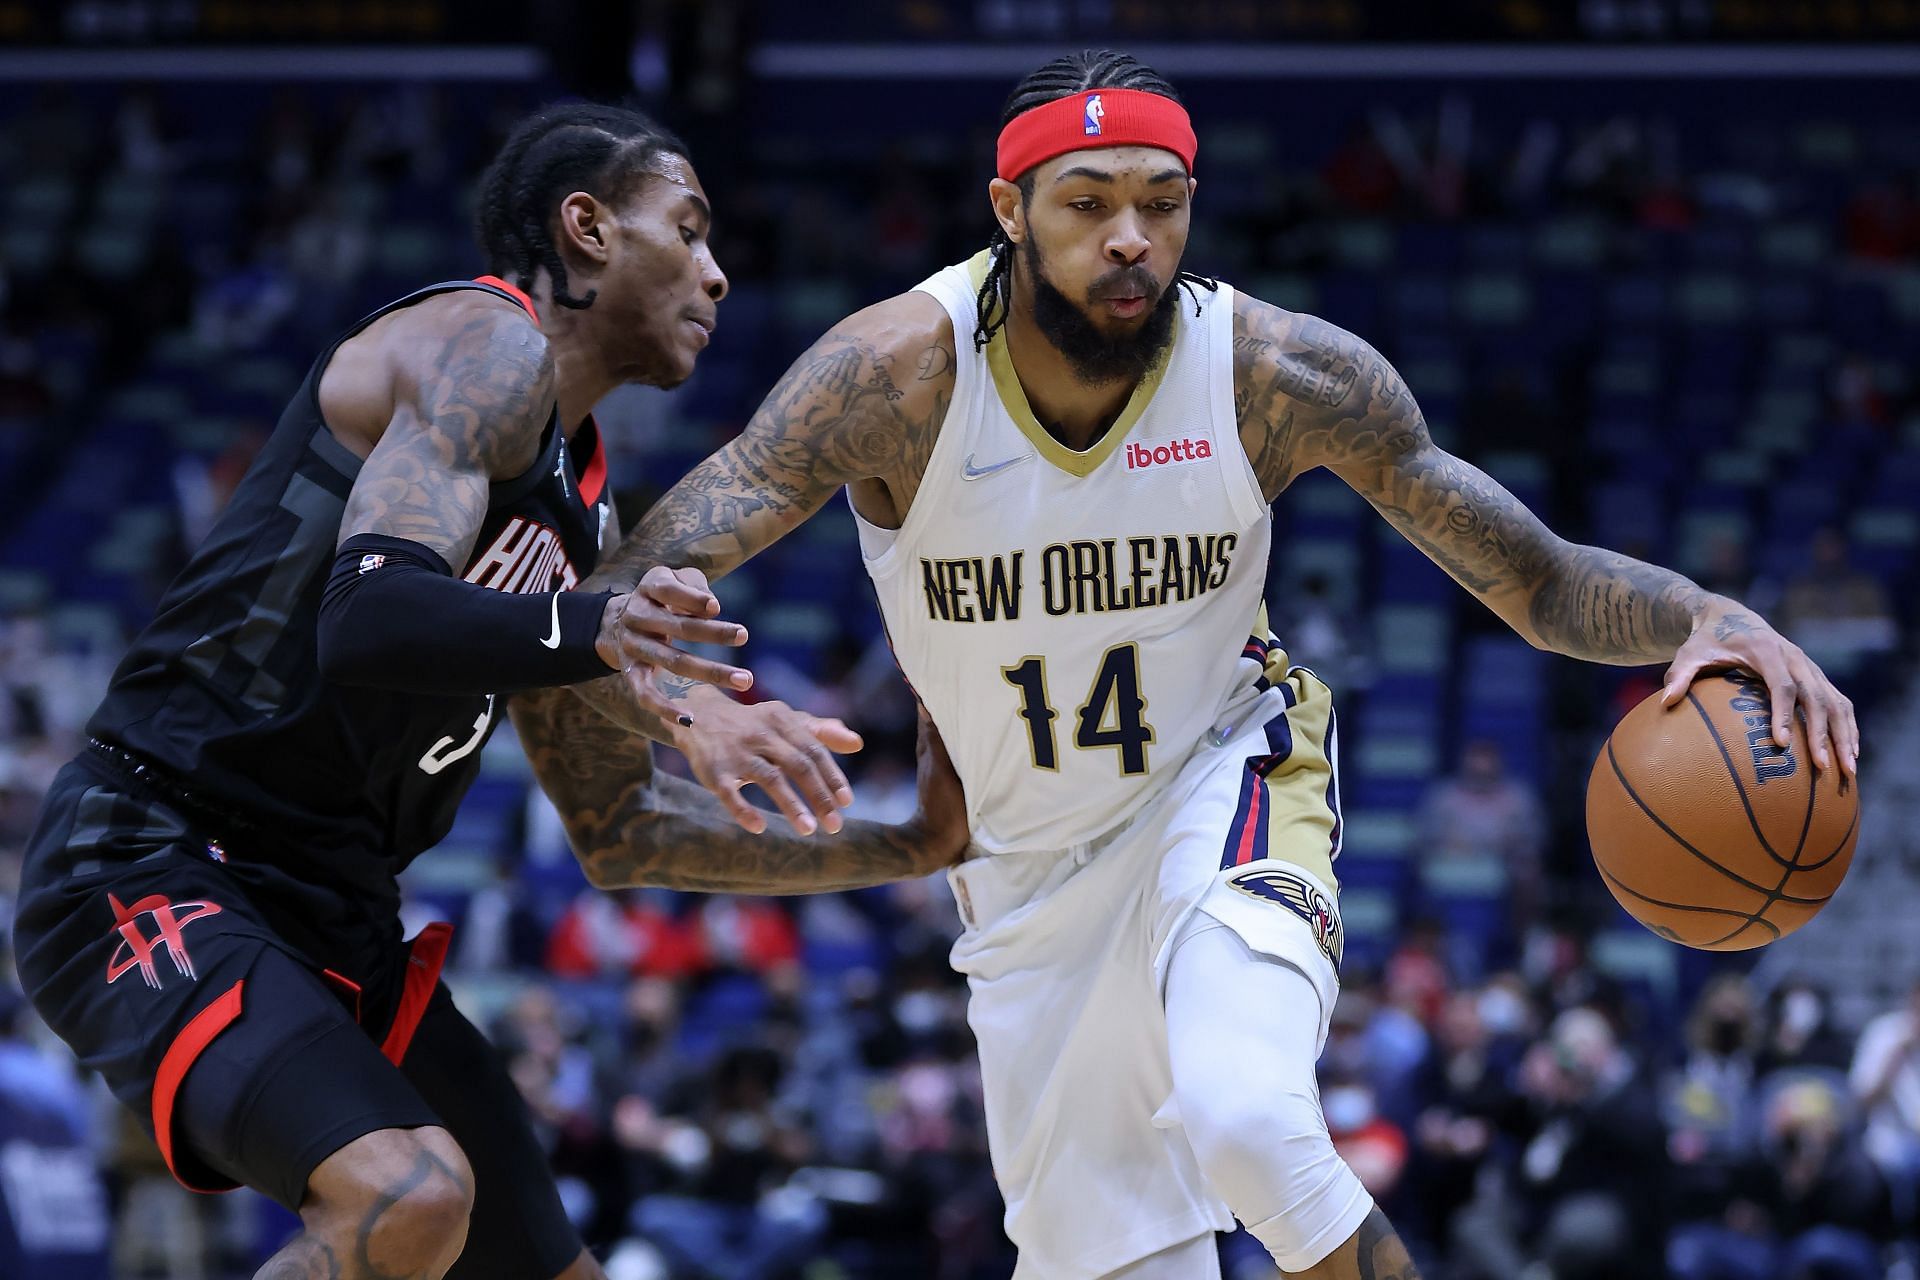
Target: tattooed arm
x=447, y=398
x=631, y=825
x=1309, y=394
x=861, y=407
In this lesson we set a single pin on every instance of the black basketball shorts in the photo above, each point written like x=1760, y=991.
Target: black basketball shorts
x=257, y=1023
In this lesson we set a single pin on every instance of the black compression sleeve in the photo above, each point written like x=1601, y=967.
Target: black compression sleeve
x=395, y=617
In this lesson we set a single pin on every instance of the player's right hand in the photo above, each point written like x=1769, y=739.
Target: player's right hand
x=786, y=753
x=638, y=629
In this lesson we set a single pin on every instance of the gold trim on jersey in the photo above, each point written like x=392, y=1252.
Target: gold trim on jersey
x=1013, y=398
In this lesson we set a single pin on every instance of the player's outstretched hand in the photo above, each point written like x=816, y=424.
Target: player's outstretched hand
x=942, y=816
x=786, y=753
x=1738, y=638
x=638, y=629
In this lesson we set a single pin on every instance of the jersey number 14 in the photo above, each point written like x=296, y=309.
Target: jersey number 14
x=1112, y=716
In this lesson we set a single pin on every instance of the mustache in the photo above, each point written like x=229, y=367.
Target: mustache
x=1126, y=282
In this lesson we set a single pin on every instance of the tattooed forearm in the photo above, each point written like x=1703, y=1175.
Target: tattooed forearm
x=1612, y=608
x=863, y=404
x=1315, y=395
x=1374, y=1252
x=630, y=825
x=472, y=413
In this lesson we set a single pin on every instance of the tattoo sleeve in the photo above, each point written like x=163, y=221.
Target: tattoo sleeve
x=631, y=825
x=471, y=412
x=863, y=403
x=1309, y=394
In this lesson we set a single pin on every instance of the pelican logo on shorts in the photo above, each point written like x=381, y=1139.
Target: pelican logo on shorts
x=1096, y=112
x=136, y=948
x=1302, y=897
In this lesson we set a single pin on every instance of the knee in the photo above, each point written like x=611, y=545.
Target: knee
x=403, y=1195
x=1267, y=1154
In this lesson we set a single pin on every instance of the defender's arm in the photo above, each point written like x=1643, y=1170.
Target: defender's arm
x=1310, y=394
x=469, y=382
x=630, y=825
x=864, y=403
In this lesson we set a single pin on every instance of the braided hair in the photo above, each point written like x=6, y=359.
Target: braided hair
x=1063, y=77
x=554, y=152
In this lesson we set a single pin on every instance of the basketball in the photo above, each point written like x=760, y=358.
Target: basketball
x=1706, y=831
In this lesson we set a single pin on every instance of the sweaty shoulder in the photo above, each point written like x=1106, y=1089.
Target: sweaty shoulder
x=461, y=350
x=1300, y=383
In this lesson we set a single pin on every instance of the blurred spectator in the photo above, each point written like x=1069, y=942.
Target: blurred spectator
x=1321, y=633
x=731, y=1216
x=1712, y=1102
x=1374, y=1146
x=617, y=934
x=1837, y=613
x=1886, y=1080
x=1467, y=1098
x=1807, y=1205
x=1483, y=814
x=1481, y=811
x=1584, y=1193
x=1799, y=1032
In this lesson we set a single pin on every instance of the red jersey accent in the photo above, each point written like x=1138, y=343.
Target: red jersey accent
x=519, y=294
x=593, y=478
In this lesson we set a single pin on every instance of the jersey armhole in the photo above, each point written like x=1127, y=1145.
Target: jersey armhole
x=949, y=288
x=1243, y=485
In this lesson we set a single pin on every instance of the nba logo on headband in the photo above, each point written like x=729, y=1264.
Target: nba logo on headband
x=1095, y=112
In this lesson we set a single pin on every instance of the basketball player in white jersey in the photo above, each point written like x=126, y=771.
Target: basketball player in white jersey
x=1061, y=455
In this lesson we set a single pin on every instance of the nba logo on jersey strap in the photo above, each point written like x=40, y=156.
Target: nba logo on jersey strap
x=1302, y=897
x=136, y=949
x=1096, y=112
x=1142, y=456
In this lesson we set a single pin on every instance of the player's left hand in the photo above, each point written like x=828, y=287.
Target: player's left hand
x=1731, y=636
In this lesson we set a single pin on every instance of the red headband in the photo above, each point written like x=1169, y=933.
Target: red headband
x=1095, y=118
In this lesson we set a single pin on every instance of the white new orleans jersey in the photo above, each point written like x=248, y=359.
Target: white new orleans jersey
x=1077, y=623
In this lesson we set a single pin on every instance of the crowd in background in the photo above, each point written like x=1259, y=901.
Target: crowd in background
x=749, y=1089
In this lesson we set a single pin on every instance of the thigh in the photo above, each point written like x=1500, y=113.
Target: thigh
x=520, y=1229
x=153, y=961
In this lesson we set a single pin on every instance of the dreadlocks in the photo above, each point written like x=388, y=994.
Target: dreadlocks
x=579, y=147
x=1090, y=69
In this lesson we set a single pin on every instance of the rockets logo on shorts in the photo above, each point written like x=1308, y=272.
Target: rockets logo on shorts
x=1304, y=898
x=136, y=948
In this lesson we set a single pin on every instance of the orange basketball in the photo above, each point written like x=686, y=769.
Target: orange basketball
x=1706, y=831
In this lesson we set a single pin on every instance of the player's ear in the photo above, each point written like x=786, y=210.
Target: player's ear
x=583, y=226
x=1008, y=208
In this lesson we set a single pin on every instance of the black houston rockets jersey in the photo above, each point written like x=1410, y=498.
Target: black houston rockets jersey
x=223, y=689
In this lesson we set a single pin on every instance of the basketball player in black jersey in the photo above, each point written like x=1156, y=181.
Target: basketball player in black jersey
x=209, y=909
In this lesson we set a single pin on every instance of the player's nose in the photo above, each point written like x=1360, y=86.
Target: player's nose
x=1127, y=241
x=713, y=281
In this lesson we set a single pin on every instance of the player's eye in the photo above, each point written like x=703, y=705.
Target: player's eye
x=1166, y=206
x=687, y=235
x=1086, y=204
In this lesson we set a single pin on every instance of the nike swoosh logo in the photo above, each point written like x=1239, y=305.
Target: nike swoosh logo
x=970, y=472
x=553, y=641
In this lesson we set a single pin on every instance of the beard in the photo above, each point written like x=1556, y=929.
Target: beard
x=1096, y=357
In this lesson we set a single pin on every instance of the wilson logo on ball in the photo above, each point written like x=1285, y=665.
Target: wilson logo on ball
x=1770, y=760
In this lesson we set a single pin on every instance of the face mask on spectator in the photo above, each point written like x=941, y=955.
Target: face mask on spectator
x=1348, y=1107
x=1503, y=1012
